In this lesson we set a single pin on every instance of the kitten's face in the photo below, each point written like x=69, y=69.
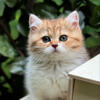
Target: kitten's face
x=56, y=36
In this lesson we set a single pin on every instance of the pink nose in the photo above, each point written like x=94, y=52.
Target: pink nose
x=55, y=46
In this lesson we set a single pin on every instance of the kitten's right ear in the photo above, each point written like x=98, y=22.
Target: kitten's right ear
x=34, y=21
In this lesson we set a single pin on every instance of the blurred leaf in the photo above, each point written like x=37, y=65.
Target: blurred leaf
x=13, y=25
x=45, y=10
x=2, y=79
x=82, y=4
x=17, y=67
x=5, y=47
x=95, y=18
x=39, y=1
x=89, y=29
x=47, y=14
x=65, y=14
x=61, y=9
x=17, y=15
x=77, y=4
x=9, y=89
x=2, y=7
x=10, y=3
x=58, y=2
x=95, y=2
x=92, y=42
x=6, y=68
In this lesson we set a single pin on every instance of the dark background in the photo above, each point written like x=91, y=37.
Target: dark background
x=14, y=29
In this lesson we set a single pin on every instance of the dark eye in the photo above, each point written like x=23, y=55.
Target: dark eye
x=46, y=39
x=63, y=38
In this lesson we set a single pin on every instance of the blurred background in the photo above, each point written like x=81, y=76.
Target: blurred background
x=14, y=29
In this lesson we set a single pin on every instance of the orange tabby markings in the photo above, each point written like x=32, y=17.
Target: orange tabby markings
x=54, y=28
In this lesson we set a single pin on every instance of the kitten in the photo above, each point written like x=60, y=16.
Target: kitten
x=55, y=47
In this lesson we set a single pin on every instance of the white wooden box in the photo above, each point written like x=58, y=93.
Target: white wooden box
x=25, y=98
x=85, y=81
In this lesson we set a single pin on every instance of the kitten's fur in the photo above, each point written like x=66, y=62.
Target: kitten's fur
x=47, y=70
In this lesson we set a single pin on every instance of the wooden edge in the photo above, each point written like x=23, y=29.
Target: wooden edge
x=84, y=79
x=25, y=98
x=70, y=89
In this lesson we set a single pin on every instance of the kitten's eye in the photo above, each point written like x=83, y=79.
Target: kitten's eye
x=63, y=38
x=46, y=39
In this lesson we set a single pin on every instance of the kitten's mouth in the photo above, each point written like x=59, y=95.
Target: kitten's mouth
x=55, y=51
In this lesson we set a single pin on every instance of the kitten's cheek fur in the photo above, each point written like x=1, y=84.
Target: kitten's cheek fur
x=48, y=50
x=61, y=49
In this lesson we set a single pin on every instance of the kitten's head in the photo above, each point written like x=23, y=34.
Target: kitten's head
x=55, y=36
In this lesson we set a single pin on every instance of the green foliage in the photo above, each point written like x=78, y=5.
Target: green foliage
x=6, y=48
x=39, y=1
x=2, y=7
x=95, y=18
x=10, y=3
x=95, y=2
x=58, y=2
x=94, y=39
x=18, y=66
x=13, y=25
x=92, y=42
x=14, y=29
x=45, y=10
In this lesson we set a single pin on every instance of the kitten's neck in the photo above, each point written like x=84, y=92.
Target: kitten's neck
x=53, y=58
x=53, y=65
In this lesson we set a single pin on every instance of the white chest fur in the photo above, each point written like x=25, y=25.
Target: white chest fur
x=48, y=80
x=46, y=77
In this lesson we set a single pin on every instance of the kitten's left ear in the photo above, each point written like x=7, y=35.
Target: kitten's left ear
x=34, y=21
x=73, y=19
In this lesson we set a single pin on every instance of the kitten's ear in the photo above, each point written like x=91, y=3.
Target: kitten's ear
x=73, y=19
x=34, y=21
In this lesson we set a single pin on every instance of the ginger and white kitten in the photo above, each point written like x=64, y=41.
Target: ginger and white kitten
x=55, y=47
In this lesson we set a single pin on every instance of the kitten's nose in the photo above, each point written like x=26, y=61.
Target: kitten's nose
x=55, y=46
